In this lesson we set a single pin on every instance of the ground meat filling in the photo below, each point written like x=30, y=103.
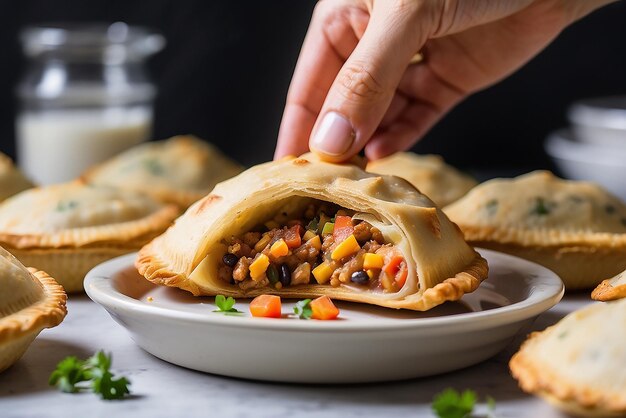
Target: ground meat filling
x=325, y=245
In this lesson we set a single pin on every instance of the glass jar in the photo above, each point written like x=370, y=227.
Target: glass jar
x=84, y=97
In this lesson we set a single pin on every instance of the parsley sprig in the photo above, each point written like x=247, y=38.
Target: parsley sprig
x=453, y=404
x=226, y=305
x=73, y=375
x=303, y=310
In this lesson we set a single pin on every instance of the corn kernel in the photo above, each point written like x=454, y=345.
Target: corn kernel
x=322, y=272
x=259, y=266
x=279, y=248
x=309, y=235
x=370, y=274
x=347, y=247
x=271, y=225
x=315, y=242
x=373, y=261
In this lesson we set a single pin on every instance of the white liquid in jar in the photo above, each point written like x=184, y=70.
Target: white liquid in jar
x=59, y=145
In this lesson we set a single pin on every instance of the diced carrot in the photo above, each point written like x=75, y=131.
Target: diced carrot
x=323, y=308
x=266, y=306
x=293, y=236
x=279, y=248
x=348, y=247
x=397, y=268
x=343, y=228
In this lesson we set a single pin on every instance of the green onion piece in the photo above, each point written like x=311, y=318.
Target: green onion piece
x=329, y=227
x=312, y=226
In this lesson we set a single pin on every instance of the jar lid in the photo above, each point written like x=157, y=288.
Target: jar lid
x=112, y=43
x=600, y=112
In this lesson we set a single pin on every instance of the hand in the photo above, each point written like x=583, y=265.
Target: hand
x=354, y=88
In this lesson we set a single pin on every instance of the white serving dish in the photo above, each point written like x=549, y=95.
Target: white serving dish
x=366, y=344
x=600, y=121
x=584, y=161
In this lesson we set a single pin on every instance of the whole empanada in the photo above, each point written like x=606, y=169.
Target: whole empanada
x=178, y=170
x=579, y=364
x=319, y=221
x=575, y=228
x=12, y=180
x=66, y=229
x=439, y=181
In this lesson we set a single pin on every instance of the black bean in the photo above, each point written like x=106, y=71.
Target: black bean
x=230, y=259
x=360, y=277
x=285, y=275
x=272, y=273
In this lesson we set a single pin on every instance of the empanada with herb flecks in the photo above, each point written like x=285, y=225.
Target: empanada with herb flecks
x=579, y=364
x=439, y=181
x=67, y=229
x=303, y=228
x=179, y=170
x=12, y=180
x=30, y=300
x=611, y=289
x=577, y=229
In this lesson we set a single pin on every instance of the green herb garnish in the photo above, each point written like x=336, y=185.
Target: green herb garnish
x=226, y=305
x=62, y=206
x=154, y=167
x=540, y=207
x=303, y=309
x=312, y=226
x=73, y=375
x=492, y=207
x=452, y=404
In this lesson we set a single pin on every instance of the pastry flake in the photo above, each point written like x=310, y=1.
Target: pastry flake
x=302, y=228
x=577, y=229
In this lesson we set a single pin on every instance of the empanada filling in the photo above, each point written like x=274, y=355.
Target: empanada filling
x=324, y=245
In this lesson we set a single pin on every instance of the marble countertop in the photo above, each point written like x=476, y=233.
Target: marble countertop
x=160, y=389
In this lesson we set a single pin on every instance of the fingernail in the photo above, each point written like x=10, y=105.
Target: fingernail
x=334, y=135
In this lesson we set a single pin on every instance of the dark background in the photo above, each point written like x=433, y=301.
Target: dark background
x=226, y=68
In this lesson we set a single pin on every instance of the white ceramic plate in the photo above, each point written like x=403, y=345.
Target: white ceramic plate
x=366, y=344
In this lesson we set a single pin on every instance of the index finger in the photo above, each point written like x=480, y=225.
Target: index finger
x=332, y=36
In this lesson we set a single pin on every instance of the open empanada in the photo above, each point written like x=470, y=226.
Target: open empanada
x=300, y=228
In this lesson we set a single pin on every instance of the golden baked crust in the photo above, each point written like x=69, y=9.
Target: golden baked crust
x=611, y=289
x=577, y=364
x=179, y=170
x=576, y=229
x=30, y=300
x=430, y=174
x=12, y=180
x=69, y=228
x=441, y=265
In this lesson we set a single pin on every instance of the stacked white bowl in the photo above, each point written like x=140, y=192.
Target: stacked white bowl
x=594, y=146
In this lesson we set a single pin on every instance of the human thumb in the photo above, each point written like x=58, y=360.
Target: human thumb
x=364, y=87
